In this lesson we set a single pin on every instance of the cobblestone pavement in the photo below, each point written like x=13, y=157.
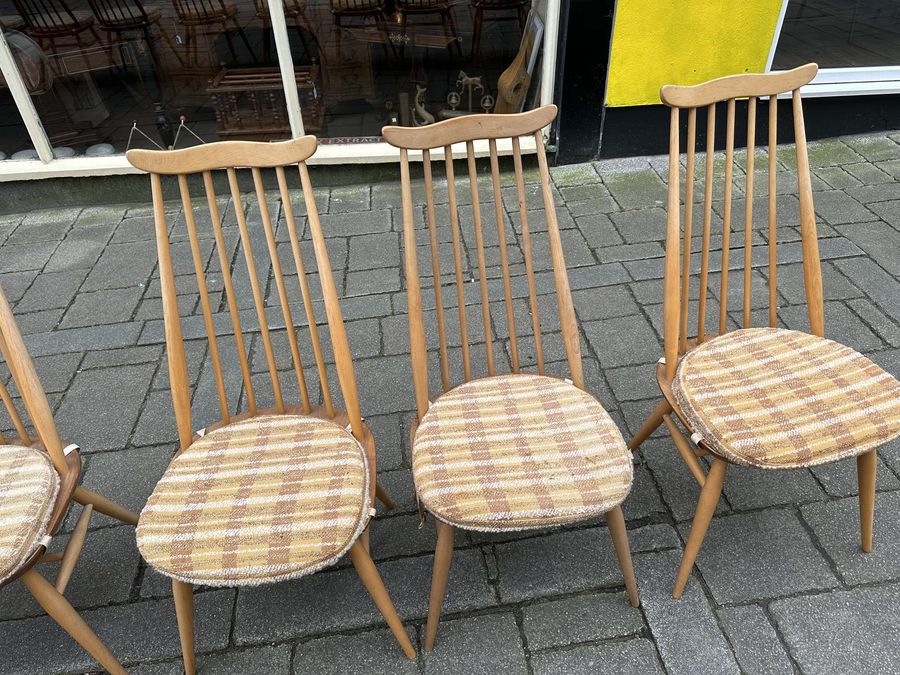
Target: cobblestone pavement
x=781, y=585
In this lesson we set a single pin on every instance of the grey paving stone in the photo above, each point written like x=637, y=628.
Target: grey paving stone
x=598, y=230
x=881, y=243
x=574, y=174
x=641, y=224
x=889, y=212
x=636, y=189
x=603, y=303
x=126, y=476
x=836, y=524
x=635, y=657
x=349, y=224
x=156, y=423
x=751, y=488
x=852, y=631
x=28, y=256
x=755, y=643
x=781, y=559
x=55, y=372
x=362, y=653
x=581, y=618
x=643, y=501
x=868, y=174
x=80, y=249
x=336, y=600
x=101, y=406
x=133, y=632
x=623, y=341
x=687, y=635
x=349, y=198
x=680, y=490
x=51, y=290
x=15, y=284
x=878, y=321
x=653, y=538
x=370, y=251
x=401, y=535
x=837, y=177
x=122, y=357
x=633, y=383
x=790, y=284
x=384, y=384
x=839, y=478
x=837, y=208
x=650, y=249
x=561, y=562
x=274, y=660
x=34, y=230
x=102, y=307
x=122, y=266
x=480, y=645
x=874, y=148
x=382, y=280
x=868, y=194
x=882, y=288
x=39, y=322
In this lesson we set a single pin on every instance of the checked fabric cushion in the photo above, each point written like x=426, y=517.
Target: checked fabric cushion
x=269, y=498
x=30, y=485
x=519, y=451
x=779, y=398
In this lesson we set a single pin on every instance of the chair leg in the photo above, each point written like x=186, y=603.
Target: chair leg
x=615, y=521
x=706, y=507
x=443, y=556
x=384, y=497
x=103, y=505
x=184, y=612
x=476, y=31
x=866, y=471
x=69, y=620
x=368, y=574
x=650, y=425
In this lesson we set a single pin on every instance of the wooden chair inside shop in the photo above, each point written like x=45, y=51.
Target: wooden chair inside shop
x=516, y=450
x=443, y=9
x=755, y=396
x=502, y=10
x=194, y=14
x=41, y=478
x=362, y=9
x=295, y=10
x=274, y=492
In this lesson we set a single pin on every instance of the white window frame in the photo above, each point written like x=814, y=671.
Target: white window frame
x=860, y=81
x=48, y=167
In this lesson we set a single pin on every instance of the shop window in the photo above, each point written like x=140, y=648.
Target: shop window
x=839, y=34
x=415, y=62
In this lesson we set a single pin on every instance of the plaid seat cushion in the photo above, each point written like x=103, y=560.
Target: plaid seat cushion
x=29, y=488
x=269, y=498
x=519, y=451
x=779, y=398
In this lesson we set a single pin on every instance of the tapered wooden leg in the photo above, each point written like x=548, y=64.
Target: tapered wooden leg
x=866, y=470
x=706, y=507
x=103, y=505
x=368, y=573
x=384, y=497
x=650, y=425
x=65, y=615
x=184, y=612
x=615, y=521
x=443, y=556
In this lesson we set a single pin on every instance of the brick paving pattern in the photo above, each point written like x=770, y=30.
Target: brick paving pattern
x=780, y=587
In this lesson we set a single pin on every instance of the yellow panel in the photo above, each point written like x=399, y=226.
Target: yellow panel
x=659, y=42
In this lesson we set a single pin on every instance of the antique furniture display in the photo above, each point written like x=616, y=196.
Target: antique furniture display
x=506, y=451
x=350, y=9
x=762, y=397
x=442, y=8
x=249, y=102
x=194, y=14
x=41, y=478
x=499, y=9
x=293, y=482
x=294, y=10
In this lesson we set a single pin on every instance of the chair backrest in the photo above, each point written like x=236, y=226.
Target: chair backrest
x=200, y=10
x=46, y=15
x=119, y=12
x=213, y=248
x=678, y=264
x=529, y=279
x=33, y=398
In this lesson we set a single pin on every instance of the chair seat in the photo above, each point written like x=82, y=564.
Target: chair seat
x=778, y=398
x=515, y=452
x=264, y=499
x=30, y=486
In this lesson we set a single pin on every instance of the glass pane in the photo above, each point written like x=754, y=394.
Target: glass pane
x=839, y=34
x=121, y=73
x=411, y=62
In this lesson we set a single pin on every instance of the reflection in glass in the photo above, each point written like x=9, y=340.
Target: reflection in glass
x=839, y=34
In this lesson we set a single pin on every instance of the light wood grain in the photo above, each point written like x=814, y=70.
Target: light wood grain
x=223, y=155
x=737, y=86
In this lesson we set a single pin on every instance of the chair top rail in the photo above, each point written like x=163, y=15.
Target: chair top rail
x=737, y=86
x=469, y=128
x=227, y=154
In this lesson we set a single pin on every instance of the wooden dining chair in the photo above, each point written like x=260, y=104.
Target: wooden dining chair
x=41, y=477
x=509, y=451
x=271, y=493
x=763, y=397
